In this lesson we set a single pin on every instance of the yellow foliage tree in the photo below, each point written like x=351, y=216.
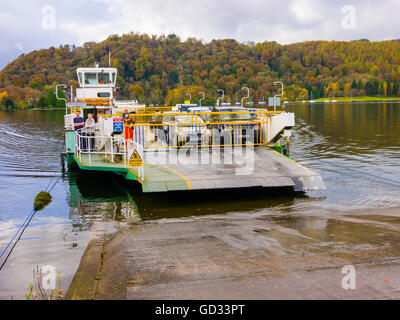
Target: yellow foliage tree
x=295, y=93
x=347, y=89
x=3, y=96
x=385, y=88
x=334, y=87
x=180, y=94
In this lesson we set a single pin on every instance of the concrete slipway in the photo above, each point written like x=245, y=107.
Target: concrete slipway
x=281, y=255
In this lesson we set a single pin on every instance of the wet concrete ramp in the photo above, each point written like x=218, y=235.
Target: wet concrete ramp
x=263, y=255
x=261, y=167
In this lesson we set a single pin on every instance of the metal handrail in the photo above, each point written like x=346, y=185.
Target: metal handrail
x=194, y=119
x=209, y=134
x=79, y=150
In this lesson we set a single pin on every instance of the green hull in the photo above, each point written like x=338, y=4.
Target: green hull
x=127, y=173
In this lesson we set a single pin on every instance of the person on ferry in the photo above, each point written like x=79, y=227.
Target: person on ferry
x=78, y=121
x=125, y=115
x=101, y=80
x=89, y=132
x=214, y=116
x=129, y=127
x=90, y=123
x=78, y=126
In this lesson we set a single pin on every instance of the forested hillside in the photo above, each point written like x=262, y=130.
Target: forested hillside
x=151, y=67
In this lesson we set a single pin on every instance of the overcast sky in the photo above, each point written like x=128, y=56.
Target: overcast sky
x=27, y=25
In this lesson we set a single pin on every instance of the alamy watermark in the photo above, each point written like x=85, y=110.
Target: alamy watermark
x=235, y=151
x=49, y=277
x=349, y=20
x=46, y=284
x=49, y=21
x=349, y=280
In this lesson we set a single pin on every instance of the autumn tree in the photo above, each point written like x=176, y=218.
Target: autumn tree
x=150, y=67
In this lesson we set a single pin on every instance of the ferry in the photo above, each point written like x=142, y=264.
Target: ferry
x=179, y=148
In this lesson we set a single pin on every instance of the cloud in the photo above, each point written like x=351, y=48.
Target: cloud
x=289, y=21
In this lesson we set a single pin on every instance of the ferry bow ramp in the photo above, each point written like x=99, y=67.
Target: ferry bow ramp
x=267, y=169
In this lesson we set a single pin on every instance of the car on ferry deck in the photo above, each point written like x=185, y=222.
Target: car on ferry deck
x=185, y=129
x=238, y=125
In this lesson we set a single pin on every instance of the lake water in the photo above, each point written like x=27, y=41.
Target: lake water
x=348, y=144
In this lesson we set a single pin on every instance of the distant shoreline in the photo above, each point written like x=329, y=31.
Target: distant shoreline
x=321, y=100
x=45, y=109
x=348, y=99
x=32, y=109
x=360, y=99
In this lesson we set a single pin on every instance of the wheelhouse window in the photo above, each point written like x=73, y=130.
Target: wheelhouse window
x=104, y=78
x=97, y=78
x=80, y=78
x=103, y=94
x=90, y=78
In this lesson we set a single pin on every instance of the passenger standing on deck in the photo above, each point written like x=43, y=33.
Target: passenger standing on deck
x=90, y=123
x=89, y=130
x=78, y=126
x=125, y=115
x=129, y=127
x=214, y=116
x=78, y=121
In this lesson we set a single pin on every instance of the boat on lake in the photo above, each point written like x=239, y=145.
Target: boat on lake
x=185, y=147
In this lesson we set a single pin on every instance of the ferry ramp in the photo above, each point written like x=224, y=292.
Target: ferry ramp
x=263, y=167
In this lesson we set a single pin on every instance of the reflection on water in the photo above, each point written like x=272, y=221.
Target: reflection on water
x=121, y=195
x=359, y=136
x=85, y=205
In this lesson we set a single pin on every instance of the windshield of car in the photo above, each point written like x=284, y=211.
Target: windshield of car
x=182, y=119
x=188, y=119
x=235, y=116
x=203, y=118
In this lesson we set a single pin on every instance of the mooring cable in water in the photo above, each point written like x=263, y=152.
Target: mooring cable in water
x=15, y=243
x=12, y=239
x=23, y=226
x=350, y=169
x=28, y=219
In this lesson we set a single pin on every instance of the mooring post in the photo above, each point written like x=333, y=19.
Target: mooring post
x=62, y=163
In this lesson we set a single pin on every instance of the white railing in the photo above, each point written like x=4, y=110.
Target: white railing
x=113, y=149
